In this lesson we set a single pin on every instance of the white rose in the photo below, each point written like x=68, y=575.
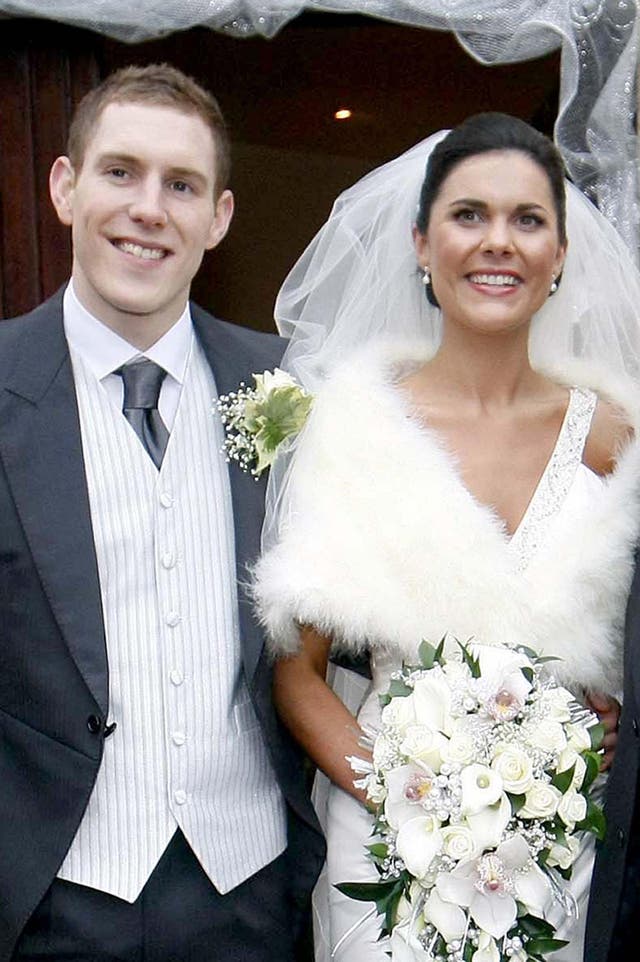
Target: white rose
x=422, y=744
x=272, y=380
x=399, y=714
x=572, y=808
x=514, y=767
x=459, y=843
x=579, y=738
x=541, y=801
x=556, y=702
x=548, y=735
x=481, y=787
x=459, y=750
x=563, y=856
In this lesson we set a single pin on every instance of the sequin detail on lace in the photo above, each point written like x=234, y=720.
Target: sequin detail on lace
x=558, y=476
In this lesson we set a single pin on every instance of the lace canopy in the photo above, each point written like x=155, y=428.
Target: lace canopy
x=595, y=129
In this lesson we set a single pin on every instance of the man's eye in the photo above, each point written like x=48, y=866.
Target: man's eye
x=119, y=173
x=181, y=186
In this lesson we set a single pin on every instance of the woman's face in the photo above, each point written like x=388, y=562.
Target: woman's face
x=492, y=242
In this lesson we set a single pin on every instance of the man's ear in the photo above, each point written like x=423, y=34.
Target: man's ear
x=61, y=183
x=222, y=219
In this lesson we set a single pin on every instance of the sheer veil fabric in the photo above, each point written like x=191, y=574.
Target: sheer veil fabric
x=358, y=280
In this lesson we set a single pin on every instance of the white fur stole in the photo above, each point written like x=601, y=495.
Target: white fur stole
x=385, y=546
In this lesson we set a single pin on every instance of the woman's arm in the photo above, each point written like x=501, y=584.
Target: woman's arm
x=314, y=715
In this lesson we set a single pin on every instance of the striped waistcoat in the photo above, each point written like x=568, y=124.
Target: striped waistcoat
x=187, y=750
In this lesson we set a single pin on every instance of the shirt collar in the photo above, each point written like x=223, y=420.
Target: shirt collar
x=105, y=351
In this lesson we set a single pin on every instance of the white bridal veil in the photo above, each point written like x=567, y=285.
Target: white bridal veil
x=359, y=280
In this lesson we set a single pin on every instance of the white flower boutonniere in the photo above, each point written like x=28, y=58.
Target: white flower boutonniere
x=258, y=419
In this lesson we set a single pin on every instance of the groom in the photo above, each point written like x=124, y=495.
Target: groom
x=613, y=921
x=151, y=807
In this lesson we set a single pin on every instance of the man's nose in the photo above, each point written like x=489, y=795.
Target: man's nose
x=148, y=204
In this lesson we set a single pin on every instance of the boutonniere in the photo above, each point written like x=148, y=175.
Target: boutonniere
x=257, y=420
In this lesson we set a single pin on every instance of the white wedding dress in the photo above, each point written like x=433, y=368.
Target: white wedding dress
x=385, y=547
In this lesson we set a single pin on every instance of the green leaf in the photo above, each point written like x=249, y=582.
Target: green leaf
x=536, y=928
x=562, y=780
x=368, y=891
x=378, y=850
x=516, y=801
x=594, y=821
x=528, y=673
x=472, y=663
x=592, y=761
x=539, y=948
x=428, y=654
x=596, y=734
x=398, y=689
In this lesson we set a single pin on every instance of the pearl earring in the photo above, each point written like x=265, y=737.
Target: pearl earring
x=554, y=286
x=426, y=277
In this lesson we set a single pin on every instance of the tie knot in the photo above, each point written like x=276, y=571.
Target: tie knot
x=142, y=382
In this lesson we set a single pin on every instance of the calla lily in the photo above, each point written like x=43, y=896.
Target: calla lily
x=487, y=950
x=489, y=824
x=404, y=944
x=418, y=842
x=432, y=703
x=481, y=786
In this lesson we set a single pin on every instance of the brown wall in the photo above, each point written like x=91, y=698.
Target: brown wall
x=42, y=73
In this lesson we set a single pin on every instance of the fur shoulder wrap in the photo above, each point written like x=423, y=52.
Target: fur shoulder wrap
x=385, y=546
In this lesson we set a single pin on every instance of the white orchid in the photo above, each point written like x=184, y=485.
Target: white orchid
x=407, y=787
x=489, y=886
x=448, y=919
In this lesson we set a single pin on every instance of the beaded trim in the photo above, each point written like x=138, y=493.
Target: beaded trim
x=557, y=477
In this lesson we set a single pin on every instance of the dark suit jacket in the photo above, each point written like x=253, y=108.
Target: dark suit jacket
x=621, y=799
x=53, y=664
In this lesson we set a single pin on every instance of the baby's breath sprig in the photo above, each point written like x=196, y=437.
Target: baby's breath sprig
x=257, y=420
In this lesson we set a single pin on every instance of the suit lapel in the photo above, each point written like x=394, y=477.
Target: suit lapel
x=232, y=362
x=40, y=447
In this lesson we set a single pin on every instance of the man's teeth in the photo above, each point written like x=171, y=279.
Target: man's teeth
x=146, y=253
x=497, y=280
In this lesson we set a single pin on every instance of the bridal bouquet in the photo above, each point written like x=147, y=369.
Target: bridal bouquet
x=257, y=420
x=480, y=782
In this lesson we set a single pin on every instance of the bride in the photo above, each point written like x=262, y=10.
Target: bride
x=469, y=464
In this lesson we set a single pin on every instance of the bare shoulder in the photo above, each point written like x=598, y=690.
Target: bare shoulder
x=609, y=435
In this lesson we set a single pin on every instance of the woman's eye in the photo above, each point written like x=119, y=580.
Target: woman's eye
x=467, y=216
x=530, y=220
x=119, y=173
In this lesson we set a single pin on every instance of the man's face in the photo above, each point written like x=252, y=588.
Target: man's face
x=142, y=213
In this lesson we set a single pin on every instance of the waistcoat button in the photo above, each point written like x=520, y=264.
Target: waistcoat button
x=94, y=724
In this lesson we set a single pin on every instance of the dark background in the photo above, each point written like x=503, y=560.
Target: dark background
x=291, y=157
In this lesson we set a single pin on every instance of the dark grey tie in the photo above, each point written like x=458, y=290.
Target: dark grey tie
x=142, y=382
